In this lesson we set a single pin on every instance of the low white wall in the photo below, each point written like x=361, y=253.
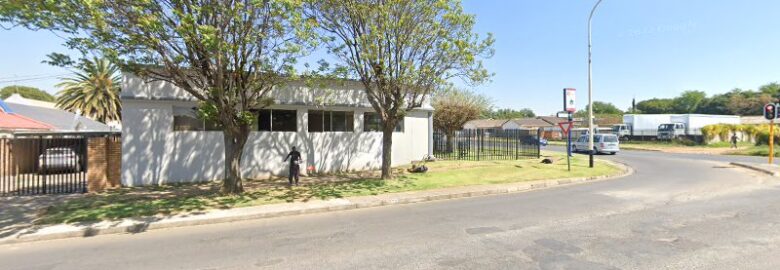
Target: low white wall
x=152, y=153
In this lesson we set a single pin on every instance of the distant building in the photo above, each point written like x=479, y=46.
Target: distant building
x=11, y=122
x=51, y=119
x=489, y=124
x=19, y=99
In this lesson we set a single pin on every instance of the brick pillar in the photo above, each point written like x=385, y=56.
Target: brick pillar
x=114, y=158
x=97, y=164
x=6, y=159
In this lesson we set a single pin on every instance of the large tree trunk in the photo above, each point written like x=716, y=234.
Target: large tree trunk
x=387, y=148
x=235, y=139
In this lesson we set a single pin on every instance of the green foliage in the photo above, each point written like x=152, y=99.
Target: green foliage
x=734, y=102
x=688, y=101
x=600, y=108
x=401, y=51
x=93, y=90
x=655, y=106
x=26, y=92
x=509, y=113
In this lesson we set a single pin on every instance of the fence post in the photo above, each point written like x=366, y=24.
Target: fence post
x=538, y=143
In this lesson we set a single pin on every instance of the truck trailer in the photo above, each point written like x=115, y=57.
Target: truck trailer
x=668, y=126
x=689, y=125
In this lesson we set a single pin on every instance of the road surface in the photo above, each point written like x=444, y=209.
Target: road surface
x=676, y=212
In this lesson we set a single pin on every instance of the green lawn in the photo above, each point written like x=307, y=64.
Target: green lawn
x=755, y=150
x=167, y=200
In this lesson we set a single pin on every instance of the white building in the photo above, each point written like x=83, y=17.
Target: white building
x=335, y=129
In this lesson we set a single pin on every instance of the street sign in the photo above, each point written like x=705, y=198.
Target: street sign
x=565, y=126
x=569, y=95
x=563, y=114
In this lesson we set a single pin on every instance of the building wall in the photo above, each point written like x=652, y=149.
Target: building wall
x=152, y=153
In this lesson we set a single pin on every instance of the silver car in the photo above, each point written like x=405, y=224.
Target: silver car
x=602, y=143
x=60, y=159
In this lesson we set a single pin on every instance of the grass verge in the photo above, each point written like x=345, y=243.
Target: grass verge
x=193, y=198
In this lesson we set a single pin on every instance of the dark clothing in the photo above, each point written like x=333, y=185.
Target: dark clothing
x=734, y=141
x=294, y=157
x=295, y=169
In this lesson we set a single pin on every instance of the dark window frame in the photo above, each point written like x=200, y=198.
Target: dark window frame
x=325, y=118
x=267, y=121
x=375, y=124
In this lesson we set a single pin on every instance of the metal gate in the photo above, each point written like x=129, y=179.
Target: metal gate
x=34, y=164
x=487, y=144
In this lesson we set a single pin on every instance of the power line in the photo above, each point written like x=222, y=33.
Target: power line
x=35, y=75
x=32, y=79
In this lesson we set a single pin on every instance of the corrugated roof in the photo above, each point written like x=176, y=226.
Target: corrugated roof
x=60, y=120
x=12, y=121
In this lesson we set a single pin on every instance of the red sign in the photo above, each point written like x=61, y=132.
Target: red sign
x=565, y=126
x=569, y=95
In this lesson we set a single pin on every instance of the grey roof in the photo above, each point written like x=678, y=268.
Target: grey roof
x=531, y=122
x=486, y=123
x=60, y=119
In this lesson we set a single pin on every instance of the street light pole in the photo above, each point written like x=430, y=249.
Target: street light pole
x=590, y=87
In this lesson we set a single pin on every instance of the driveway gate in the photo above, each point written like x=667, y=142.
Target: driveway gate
x=39, y=163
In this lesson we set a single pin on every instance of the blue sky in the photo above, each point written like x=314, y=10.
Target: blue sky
x=642, y=49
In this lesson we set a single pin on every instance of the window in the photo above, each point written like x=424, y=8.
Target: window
x=187, y=123
x=277, y=120
x=184, y=119
x=326, y=121
x=372, y=122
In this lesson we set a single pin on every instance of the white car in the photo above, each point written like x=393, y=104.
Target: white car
x=602, y=143
x=59, y=159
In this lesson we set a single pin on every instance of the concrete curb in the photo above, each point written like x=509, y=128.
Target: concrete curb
x=138, y=225
x=757, y=168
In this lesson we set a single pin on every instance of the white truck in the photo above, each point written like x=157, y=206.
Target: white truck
x=640, y=126
x=668, y=126
x=689, y=125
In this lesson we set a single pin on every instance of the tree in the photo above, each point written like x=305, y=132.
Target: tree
x=655, y=106
x=94, y=91
x=772, y=89
x=26, y=92
x=454, y=107
x=227, y=54
x=688, y=101
x=600, y=108
x=509, y=113
x=401, y=50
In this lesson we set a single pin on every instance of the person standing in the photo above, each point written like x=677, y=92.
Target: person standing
x=734, y=140
x=295, y=168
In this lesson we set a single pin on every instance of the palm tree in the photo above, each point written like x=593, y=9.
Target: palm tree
x=93, y=91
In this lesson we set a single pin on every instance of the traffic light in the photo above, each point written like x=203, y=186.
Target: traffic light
x=770, y=111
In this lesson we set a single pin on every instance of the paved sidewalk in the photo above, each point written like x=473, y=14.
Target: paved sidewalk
x=27, y=232
x=770, y=169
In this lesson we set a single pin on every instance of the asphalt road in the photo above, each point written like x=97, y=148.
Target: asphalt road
x=676, y=212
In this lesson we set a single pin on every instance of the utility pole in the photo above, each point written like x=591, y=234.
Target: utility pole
x=590, y=87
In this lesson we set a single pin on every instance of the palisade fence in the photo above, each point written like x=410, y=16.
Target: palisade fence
x=487, y=144
x=52, y=163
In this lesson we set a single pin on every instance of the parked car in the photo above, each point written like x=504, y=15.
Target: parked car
x=534, y=140
x=602, y=143
x=60, y=159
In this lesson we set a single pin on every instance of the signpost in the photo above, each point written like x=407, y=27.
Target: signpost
x=569, y=98
x=566, y=128
x=770, y=113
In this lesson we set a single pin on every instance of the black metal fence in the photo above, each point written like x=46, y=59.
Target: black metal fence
x=43, y=164
x=487, y=144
